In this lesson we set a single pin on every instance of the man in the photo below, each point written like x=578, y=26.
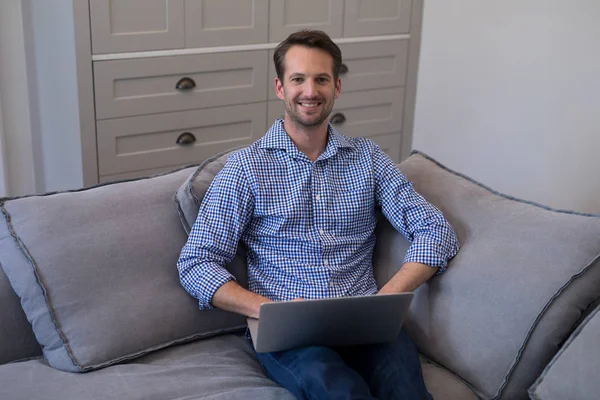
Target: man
x=303, y=199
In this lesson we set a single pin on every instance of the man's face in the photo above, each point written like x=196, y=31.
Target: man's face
x=308, y=88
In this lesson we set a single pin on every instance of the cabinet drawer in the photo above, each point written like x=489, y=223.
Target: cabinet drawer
x=288, y=16
x=226, y=22
x=149, y=85
x=391, y=144
x=367, y=113
x=151, y=142
x=136, y=25
x=136, y=174
x=371, y=65
x=381, y=17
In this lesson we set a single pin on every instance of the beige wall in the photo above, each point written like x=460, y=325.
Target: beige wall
x=18, y=161
x=509, y=93
x=3, y=176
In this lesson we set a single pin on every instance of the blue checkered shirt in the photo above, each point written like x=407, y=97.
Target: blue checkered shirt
x=309, y=227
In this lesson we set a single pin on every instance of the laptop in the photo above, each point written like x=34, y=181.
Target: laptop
x=333, y=322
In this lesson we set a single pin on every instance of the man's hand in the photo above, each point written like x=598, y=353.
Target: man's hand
x=410, y=276
x=233, y=297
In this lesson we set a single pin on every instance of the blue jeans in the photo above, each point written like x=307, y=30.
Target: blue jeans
x=381, y=371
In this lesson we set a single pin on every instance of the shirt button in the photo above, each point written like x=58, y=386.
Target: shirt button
x=321, y=231
x=326, y=262
x=317, y=197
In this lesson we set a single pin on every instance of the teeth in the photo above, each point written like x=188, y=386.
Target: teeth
x=309, y=105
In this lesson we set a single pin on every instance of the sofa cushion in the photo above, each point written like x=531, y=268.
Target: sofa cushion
x=222, y=367
x=572, y=372
x=16, y=337
x=190, y=194
x=443, y=384
x=96, y=272
x=513, y=293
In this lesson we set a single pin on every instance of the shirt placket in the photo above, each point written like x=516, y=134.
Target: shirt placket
x=320, y=197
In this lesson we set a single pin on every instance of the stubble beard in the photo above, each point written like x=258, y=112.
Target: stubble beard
x=291, y=108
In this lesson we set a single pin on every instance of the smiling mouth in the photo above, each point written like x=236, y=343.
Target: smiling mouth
x=310, y=104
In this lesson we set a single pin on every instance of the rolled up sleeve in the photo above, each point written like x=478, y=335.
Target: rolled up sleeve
x=433, y=240
x=223, y=215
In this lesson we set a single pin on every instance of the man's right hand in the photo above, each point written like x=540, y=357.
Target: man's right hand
x=233, y=297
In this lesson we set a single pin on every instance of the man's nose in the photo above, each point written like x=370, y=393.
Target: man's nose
x=310, y=89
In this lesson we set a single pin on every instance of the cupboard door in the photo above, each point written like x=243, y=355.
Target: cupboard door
x=288, y=16
x=225, y=22
x=136, y=25
x=369, y=65
x=381, y=17
x=368, y=113
x=374, y=65
x=162, y=84
x=164, y=141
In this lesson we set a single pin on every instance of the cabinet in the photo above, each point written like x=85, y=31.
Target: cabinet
x=165, y=83
x=136, y=25
x=364, y=17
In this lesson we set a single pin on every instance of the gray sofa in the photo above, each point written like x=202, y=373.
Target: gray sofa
x=91, y=305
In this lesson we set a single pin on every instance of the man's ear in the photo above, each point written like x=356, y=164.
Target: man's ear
x=279, y=88
x=338, y=87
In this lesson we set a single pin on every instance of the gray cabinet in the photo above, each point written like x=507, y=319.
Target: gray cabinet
x=136, y=25
x=376, y=114
x=169, y=140
x=225, y=22
x=380, y=17
x=288, y=16
x=369, y=65
x=152, y=74
x=162, y=84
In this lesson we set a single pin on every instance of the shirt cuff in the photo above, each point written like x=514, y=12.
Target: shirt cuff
x=426, y=254
x=213, y=280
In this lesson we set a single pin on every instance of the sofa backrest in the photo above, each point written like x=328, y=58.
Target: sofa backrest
x=17, y=341
x=96, y=272
x=514, y=292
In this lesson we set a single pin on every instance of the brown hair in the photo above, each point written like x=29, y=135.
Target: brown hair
x=309, y=38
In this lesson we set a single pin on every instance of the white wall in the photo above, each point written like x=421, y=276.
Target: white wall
x=50, y=48
x=3, y=176
x=19, y=161
x=509, y=94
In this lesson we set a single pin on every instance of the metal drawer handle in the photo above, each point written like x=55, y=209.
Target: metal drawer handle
x=338, y=118
x=185, y=84
x=343, y=69
x=185, y=139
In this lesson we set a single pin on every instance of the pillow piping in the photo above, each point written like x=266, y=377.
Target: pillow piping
x=34, y=267
x=563, y=349
x=595, y=261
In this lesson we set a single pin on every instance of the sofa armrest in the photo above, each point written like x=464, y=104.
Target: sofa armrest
x=572, y=373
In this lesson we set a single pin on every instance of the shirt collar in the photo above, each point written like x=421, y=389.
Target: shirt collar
x=277, y=138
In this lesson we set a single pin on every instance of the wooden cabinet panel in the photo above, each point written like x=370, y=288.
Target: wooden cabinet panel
x=374, y=65
x=381, y=17
x=137, y=174
x=136, y=25
x=371, y=65
x=391, y=144
x=151, y=142
x=370, y=113
x=287, y=16
x=226, y=22
x=147, y=86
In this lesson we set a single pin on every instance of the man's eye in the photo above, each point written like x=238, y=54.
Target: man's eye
x=296, y=80
x=322, y=80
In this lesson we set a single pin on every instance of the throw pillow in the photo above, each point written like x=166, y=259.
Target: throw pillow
x=513, y=293
x=96, y=273
x=572, y=372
